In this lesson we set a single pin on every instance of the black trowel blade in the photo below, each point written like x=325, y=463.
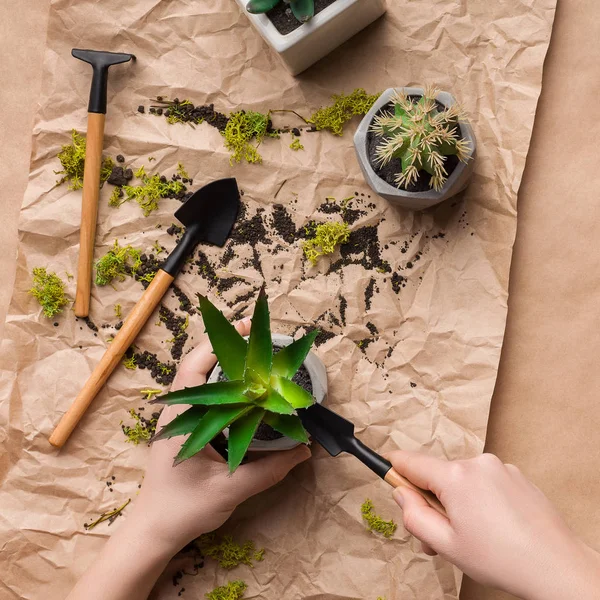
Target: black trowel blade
x=212, y=211
x=333, y=432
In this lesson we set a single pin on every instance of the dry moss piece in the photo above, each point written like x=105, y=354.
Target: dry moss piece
x=228, y=553
x=326, y=238
x=244, y=128
x=117, y=263
x=49, y=290
x=296, y=145
x=375, y=522
x=143, y=429
x=72, y=160
x=234, y=590
x=343, y=108
x=109, y=516
x=153, y=189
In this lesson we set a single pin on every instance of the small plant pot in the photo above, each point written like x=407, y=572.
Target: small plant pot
x=316, y=38
x=457, y=180
x=318, y=378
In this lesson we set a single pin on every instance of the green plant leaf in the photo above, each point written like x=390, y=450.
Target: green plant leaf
x=261, y=6
x=289, y=425
x=292, y=393
x=241, y=433
x=259, y=357
x=221, y=392
x=182, y=424
x=274, y=402
x=209, y=426
x=289, y=359
x=303, y=9
x=228, y=345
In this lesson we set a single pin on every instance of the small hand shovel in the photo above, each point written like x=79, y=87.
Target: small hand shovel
x=208, y=217
x=100, y=62
x=336, y=435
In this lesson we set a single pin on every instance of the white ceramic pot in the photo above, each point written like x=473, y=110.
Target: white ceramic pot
x=316, y=38
x=318, y=376
x=456, y=182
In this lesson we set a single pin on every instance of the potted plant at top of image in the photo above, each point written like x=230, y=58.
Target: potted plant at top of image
x=415, y=147
x=304, y=31
x=254, y=391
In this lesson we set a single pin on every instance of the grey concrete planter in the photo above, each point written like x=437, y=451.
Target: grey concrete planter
x=457, y=181
x=318, y=376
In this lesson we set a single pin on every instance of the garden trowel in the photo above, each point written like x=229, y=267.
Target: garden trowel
x=336, y=435
x=208, y=217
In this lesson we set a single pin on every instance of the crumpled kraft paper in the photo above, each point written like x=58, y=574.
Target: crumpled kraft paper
x=423, y=382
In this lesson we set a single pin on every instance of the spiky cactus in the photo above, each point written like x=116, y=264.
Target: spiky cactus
x=303, y=9
x=421, y=136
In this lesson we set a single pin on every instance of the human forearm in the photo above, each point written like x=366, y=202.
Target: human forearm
x=128, y=566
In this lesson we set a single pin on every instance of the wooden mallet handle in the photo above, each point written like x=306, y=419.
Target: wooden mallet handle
x=89, y=211
x=113, y=355
x=396, y=480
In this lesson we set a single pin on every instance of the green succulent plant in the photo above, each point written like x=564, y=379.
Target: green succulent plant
x=259, y=387
x=303, y=10
x=421, y=136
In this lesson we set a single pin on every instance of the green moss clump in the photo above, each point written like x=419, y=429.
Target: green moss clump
x=49, y=290
x=151, y=191
x=117, y=263
x=116, y=198
x=142, y=431
x=181, y=171
x=72, y=160
x=343, y=108
x=228, y=553
x=234, y=590
x=324, y=240
x=296, y=145
x=118, y=311
x=375, y=522
x=129, y=362
x=242, y=128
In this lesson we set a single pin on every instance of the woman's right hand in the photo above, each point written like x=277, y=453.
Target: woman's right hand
x=501, y=530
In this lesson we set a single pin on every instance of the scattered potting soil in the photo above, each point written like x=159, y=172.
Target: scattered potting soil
x=284, y=20
x=162, y=373
x=390, y=170
x=177, y=326
x=147, y=269
x=369, y=292
x=343, y=308
x=143, y=428
x=372, y=328
x=184, y=111
x=364, y=343
x=283, y=223
x=398, y=282
x=362, y=248
x=119, y=175
x=185, y=304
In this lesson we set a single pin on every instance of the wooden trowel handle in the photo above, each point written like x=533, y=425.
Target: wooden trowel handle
x=396, y=480
x=113, y=355
x=89, y=211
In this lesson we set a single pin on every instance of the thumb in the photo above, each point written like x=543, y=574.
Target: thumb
x=258, y=475
x=424, y=522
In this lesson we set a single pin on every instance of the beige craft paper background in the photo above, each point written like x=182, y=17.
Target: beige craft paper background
x=447, y=328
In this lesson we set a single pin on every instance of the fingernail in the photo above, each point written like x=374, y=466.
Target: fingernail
x=398, y=497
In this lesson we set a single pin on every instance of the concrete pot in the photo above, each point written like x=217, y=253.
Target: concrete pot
x=315, y=39
x=318, y=376
x=457, y=181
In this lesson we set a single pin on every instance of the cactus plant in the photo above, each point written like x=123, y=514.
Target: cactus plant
x=259, y=388
x=303, y=9
x=421, y=136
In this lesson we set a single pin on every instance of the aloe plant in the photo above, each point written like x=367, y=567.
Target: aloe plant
x=421, y=136
x=303, y=9
x=259, y=388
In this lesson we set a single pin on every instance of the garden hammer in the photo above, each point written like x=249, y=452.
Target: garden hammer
x=100, y=62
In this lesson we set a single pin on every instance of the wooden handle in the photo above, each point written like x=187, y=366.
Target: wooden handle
x=113, y=355
x=89, y=211
x=396, y=480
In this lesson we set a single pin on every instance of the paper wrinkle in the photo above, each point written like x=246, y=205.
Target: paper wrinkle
x=424, y=383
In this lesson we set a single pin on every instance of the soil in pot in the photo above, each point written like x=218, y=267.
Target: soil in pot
x=302, y=378
x=284, y=20
x=389, y=171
